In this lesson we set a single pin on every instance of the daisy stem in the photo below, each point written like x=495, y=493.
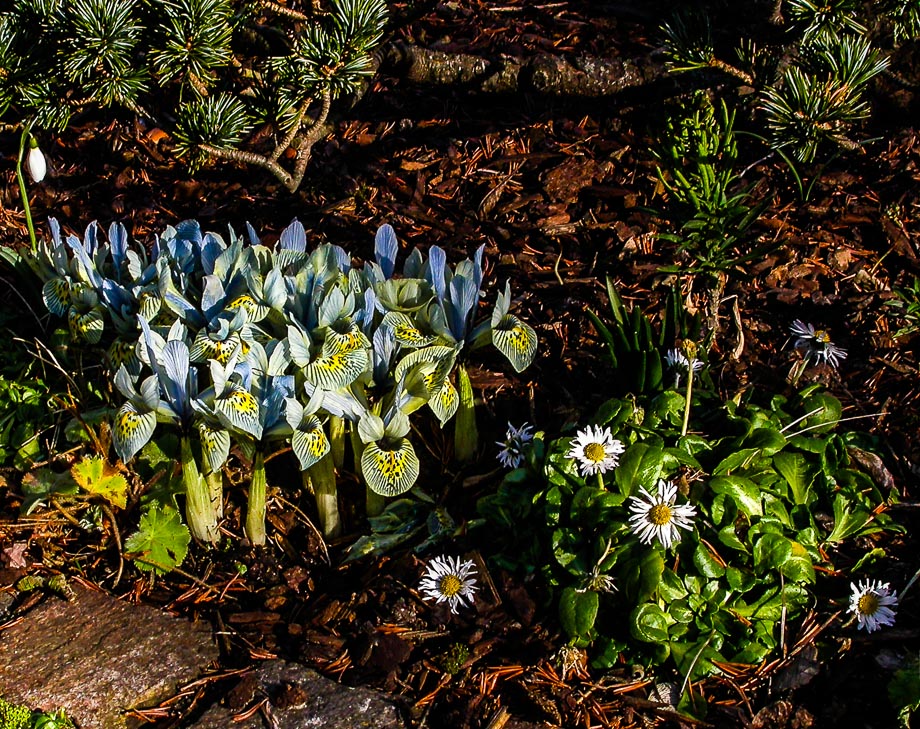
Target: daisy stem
x=600, y=480
x=683, y=429
x=909, y=584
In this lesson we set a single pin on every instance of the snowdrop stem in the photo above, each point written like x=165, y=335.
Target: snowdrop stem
x=683, y=429
x=23, y=145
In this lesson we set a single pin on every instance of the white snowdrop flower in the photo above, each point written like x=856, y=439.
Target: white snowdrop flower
x=873, y=604
x=816, y=344
x=512, y=453
x=448, y=579
x=36, y=165
x=658, y=517
x=596, y=450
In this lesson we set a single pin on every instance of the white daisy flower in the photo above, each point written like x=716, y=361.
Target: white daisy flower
x=449, y=579
x=873, y=604
x=658, y=517
x=816, y=343
x=678, y=361
x=512, y=453
x=596, y=450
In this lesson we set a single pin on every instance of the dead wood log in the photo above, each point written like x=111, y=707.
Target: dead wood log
x=543, y=74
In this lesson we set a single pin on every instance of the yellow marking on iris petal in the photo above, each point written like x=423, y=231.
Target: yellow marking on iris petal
x=347, y=342
x=333, y=363
x=243, y=402
x=316, y=442
x=410, y=335
x=448, y=397
x=245, y=302
x=57, y=295
x=129, y=422
x=391, y=465
x=222, y=351
x=518, y=339
x=121, y=353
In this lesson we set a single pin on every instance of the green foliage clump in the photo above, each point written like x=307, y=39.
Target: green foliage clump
x=14, y=716
x=712, y=210
x=818, y=96
x=767, y=493
x=904, y=691
x=216, y=67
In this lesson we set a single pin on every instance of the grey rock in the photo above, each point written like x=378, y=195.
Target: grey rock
x=96, y=657
x=298, y=698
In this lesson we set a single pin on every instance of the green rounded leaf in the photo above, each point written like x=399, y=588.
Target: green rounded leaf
x=706, y=563
x=97, y=477
x=649, y=623
x=744, y=492
x=825, y=412
x=578, y=611
x=161, y=543
x=640, y=465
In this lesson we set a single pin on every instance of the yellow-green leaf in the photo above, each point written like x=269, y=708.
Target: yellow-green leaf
x=97, y=477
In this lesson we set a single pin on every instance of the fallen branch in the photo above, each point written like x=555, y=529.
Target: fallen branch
x=544, y=74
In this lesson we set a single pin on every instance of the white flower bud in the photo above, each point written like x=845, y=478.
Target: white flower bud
x=36, y=165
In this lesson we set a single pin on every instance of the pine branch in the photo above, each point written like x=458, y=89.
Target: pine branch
x=251, y=158
x=732, y=71
x=282, y=10
x=310, y=138
x=295, y=130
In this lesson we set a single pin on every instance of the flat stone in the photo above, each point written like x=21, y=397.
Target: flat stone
x=299, y=697
x=96, y=657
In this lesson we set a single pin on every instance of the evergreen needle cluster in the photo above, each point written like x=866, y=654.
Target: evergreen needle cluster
x=208, y=71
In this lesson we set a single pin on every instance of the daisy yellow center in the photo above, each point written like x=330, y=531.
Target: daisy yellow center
x=660, y=514
x=595, y=452
x=450, y=585
x=868, y=604
x=822, y=336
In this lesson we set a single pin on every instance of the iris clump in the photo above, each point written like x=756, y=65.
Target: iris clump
x=227, y=340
